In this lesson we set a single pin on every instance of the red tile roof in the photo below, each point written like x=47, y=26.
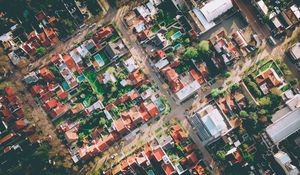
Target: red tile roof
x=177, y=133
x=161, y=54
x=158, y=154
x=69, y=61
x=120, y=126
x=9, y=91
x=62, y=94
x=46, y=74
x=6, y=138
x=168, y=169
x=51, y=104
x=36, y=89
x=40, y=16
x=102, y=33
x=136, y=77
x=269, y=78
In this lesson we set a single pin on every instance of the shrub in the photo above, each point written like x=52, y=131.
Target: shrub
x=227, y=74
x=254, y=89
x=293, y=82
x=244, y=114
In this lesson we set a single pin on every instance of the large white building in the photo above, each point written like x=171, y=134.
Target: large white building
x=288, y=124
x=285, y=161
x=209, y=124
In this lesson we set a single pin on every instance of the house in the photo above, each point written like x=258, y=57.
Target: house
x=136, y=77
x=46, y=74
x=115, y=50
x=107, y=77
x=150, y=108
x=144, y=35
x=130, y=64
x=188, y=90
x=159, y=41
x=17, y=55
x=284, y=160
x=234, y=156
x=71, y=64
x=71, y=136
x=134, y=115
x=267, y=80
x=102, y=34
x=177, y=134
x=209, y=123
x=120, y=126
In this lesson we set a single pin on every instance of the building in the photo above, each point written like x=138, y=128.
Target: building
x=268, y=80
x=286, y=125
x=209, y=124
x=206, y=15
x=285, y=162
x=115, y=50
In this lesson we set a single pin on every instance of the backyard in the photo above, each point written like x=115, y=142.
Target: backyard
x=167, y=13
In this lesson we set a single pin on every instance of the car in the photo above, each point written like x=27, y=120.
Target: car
x=271, y=41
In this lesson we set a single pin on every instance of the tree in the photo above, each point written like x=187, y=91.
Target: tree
x=216, y=92
x=293, y=82
x=102, y=122
x=170, y=56
x=93, y=6
x=191, y=53
x=221, y=154
x=68, y=26
x=276, y=91
x=227, y=74
x=41, y=51
x=244, y=114
x=234, y=87
x=203, y=49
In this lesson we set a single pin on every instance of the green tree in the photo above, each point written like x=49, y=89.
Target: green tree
x=216, y=92
x=293, y=82
x=41, y=51
x=244, y=114
x=221, y=154
x=170, y=56
x=102, y=122
x=191, y=53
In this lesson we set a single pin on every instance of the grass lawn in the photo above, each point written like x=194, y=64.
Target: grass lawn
x=104, y=57
x=155, y=28
x=97, y=87
x=181, y=68
x=277, y=69
x=266, y=66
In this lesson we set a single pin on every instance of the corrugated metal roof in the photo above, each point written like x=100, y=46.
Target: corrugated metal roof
x=215, y=8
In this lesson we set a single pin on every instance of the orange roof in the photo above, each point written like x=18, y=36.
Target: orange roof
x=9, y=91
x=77, y=108
x=168, y=168
x=192, y=158
x=158, y=154
x=268, y=77
x=21, y=123
x=131, y=160
x=199, y=170
x=177, y=133
x=51, y=104
x=71, y=136
x=62, y=94
x=55, y=58
x=36, y=89
x=151, y=109
x=133, y=94
x=120, y=126
x=116, y=170
x=124, y=165
x=144, y=114
x=6, y=138
x=161, y=54
x=148, y=150
x=102, y=33
x=136, y=76
x=69, y=61
x=170, y=74
x=189, y=148
x=101, y=145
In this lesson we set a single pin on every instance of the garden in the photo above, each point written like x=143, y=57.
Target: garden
x=167, y=13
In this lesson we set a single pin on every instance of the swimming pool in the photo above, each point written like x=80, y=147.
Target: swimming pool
x=176, y=35
x=177, y=46
x=66, y=86
x=99, y=60
x=80, y=78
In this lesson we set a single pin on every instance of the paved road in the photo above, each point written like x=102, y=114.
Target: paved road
x=251, y=15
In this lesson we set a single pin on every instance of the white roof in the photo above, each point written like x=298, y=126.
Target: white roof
x=6, y=37
x=215, y=8
x=284, y=127
x=207, y=25
x=261, y=4
x=188, y=90
x=285, y=161
x=276, y=22
x=161, y=63
x=296, y=11
x=213, y=120
x=130, y=64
